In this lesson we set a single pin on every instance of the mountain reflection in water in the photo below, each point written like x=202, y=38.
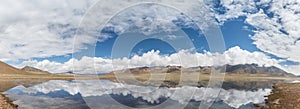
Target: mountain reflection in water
x=103, y=94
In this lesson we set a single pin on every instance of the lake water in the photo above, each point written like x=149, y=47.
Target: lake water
x=104, y=94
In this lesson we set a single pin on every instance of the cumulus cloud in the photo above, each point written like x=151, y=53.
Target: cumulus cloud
x=230, y=9
x=234, y=98
x=276, y=22
x=39, y=28
x=292, y=68
x=183, y=58
x=278, y=34
x=46, y=28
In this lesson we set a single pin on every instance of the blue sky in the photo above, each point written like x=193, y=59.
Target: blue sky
x=235, y=33
x=254, y=31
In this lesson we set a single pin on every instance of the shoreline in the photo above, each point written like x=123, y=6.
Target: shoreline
x=170, y=80
x=283, y=96
x=6, y=103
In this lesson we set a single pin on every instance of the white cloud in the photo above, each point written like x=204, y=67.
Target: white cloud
x=39, y=28
x=230, y=9
x=292, y=68
x=47, y=28
x=278, y=35
x=234, y=98
x=184, y=58
x=277, y=27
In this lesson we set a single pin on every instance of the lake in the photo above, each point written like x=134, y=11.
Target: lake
x=104, y=94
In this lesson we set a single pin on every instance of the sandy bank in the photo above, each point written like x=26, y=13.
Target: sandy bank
x=284, y=96
x=5, y=103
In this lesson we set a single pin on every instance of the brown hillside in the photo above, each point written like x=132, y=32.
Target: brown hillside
x=34, y=70
x=7, y=69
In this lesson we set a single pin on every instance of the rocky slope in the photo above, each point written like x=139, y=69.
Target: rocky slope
x=255, y=69
x=230, y=69
x=34, y=70
x=283, y=96
x=7, y=69
x=5, y=103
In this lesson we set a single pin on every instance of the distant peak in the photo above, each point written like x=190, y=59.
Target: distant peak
x=33, y=70
x=230, y=69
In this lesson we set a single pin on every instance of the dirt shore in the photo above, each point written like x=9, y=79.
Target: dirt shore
x=283, y=96
x=156, y=79
x=5, y=103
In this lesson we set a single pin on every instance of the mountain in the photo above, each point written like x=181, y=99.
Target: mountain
x=230, y=69
x=66, y=73
x=255, y=69
x=166, y=69
x=156, y=69
x=7, y=69
x=34, y=70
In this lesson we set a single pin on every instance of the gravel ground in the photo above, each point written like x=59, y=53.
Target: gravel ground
x=284, y=96
x=5, y=103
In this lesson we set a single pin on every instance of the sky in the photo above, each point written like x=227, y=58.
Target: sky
x=82, y=35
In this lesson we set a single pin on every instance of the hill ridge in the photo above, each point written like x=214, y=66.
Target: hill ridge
x=8, y=69
x=34, y=70
x=230, y=69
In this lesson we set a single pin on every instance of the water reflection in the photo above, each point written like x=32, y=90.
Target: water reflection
x=106, y=94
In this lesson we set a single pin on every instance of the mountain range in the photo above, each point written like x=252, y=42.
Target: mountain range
x=7, y=69
x=10, y=70
x=230, y=69
x=34, y=70
x=255, y=69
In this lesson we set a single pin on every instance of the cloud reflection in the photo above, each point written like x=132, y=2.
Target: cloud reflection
x=92, y=88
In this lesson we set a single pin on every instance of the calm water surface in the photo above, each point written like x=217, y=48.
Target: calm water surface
x=103, y=94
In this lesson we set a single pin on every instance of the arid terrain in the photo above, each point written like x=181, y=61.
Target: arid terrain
x=172, y=76
x=11, y=77
x=169, y=76
x=283, y=96
x=6, y=103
